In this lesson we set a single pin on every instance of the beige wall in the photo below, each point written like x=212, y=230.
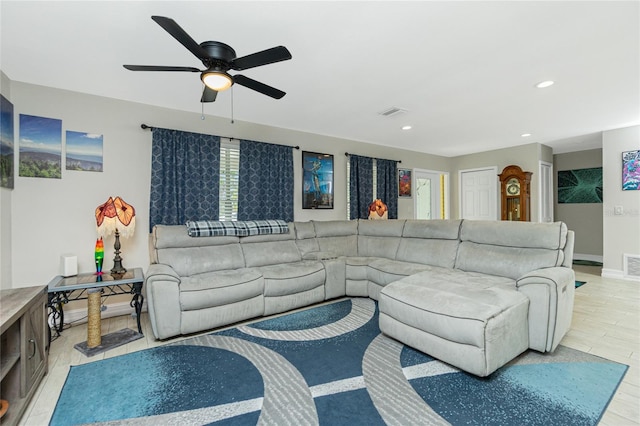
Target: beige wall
x=621, y=233
x=525, y=156
x=50, y=217
x=583, y=218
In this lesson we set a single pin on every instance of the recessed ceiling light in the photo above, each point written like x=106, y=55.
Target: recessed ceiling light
x=525, y=135
x=406, y=127
x=544, y=84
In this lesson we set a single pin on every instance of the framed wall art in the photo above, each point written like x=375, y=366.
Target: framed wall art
x=580, y=186
x=317, y=180
x=83, y=151
x=631, y=170
x=404, y=183
x=40, y=147
x=6, y=143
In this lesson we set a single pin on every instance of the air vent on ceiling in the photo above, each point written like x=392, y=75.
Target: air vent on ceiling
x=390, y=112
x=632, y=266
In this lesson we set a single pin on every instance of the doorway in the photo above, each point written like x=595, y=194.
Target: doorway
x=431, y=194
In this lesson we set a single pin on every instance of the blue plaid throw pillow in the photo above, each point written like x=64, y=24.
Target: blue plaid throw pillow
x=214, y=228
x=259, y=227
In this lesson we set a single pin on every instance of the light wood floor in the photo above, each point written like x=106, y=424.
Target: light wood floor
x=606, y=322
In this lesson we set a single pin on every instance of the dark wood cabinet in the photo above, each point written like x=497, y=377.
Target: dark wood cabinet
x=515, y=190
x=23, y=347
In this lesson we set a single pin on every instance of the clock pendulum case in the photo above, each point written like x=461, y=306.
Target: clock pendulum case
x=515, y=194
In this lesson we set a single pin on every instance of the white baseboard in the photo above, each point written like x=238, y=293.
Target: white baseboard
x=589, y=257
x=79, y=316
x=618, y=275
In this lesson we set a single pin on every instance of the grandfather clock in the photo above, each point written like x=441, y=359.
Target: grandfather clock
x=516, y=194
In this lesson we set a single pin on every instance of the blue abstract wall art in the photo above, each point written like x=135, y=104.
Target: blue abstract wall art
x=631, y=170
x=580, y=186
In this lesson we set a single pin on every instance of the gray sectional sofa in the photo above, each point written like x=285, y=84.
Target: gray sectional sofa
x=474, y=294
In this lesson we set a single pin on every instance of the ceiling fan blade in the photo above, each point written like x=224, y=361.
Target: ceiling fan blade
x=208, y=95
x=269, y=56
x=258, y=87
x=181, y=35
x=159, y=68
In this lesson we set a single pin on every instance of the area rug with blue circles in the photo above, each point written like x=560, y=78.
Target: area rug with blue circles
x=329, y=365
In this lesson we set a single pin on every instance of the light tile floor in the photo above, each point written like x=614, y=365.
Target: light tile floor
x=606, y=322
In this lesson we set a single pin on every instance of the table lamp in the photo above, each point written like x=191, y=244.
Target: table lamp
x=116, y=216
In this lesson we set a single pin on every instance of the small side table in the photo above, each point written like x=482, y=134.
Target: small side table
x=62, y=290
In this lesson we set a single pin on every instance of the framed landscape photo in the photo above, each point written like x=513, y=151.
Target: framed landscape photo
x=40, y=147
x=83, y=151
x=404, y=183
x=631, y=170
x=317, y=180
x=6, y=143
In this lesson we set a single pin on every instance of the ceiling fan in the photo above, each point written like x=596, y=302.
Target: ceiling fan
x=218, y=58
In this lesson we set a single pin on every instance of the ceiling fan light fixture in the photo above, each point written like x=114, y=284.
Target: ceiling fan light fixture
x=216, y=80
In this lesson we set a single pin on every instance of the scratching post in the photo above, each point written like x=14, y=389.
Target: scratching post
x=94, y=332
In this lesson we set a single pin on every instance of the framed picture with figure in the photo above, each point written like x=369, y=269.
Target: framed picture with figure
x=404, y=183
x=317, y=180
x=631, y=170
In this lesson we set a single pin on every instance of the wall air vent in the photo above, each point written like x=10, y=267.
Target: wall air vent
x=390, y=112
x=632, y=266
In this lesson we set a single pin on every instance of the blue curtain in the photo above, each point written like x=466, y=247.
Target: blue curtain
x=360, y=186
x=185, y=175
x=387, y=185
x=265, y=181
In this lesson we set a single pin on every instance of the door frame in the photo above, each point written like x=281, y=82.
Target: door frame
x=549, y=197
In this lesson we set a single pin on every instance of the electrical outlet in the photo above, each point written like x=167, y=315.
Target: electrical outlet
x=618, y=210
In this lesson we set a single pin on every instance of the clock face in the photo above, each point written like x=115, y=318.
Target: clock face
x=513, y=187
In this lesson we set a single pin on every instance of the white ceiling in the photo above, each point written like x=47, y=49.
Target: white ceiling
x=465, y=72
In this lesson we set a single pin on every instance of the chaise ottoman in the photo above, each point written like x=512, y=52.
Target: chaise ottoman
x=477, y=328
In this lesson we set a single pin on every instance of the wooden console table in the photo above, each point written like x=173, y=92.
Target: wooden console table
x=23, y=348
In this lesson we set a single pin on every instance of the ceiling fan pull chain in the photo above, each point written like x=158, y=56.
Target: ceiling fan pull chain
x=202, y=111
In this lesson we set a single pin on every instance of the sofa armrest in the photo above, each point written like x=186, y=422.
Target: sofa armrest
x=160, y=271
x=320, y=255
x=551, y=292
x=162, y=286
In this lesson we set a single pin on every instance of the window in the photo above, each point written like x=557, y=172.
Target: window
x=229, y=171
x=375, y=186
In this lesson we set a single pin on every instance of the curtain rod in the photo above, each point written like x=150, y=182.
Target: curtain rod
x=397, y=161
x=145, y=127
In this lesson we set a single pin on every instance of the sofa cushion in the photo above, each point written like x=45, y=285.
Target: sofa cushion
x=428, y=251
x=385, y=271
x=550, y=236
x=510, y=249
x=512, y=262
x=458, y=312
x=189, y=261
x=175, y=236
x=269, y=252
x=337, y=236
x=438, y=229
x=291, y=278
x=219, y=288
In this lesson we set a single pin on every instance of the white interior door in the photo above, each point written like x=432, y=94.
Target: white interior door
x=427, y=201
x=478, y=189
x=430, y=194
